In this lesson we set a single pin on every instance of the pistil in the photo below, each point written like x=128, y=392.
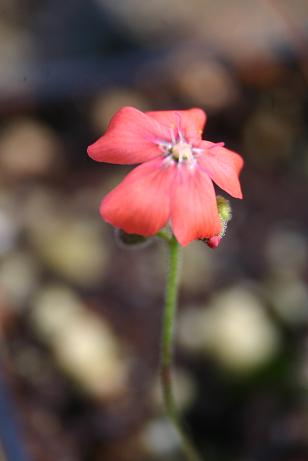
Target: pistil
x=182, y=152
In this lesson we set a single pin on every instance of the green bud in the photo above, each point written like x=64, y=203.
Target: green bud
x=224, y=209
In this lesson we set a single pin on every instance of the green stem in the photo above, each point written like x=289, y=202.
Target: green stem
x=167, y=348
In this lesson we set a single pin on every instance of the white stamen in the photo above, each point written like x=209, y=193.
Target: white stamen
x=172, y=136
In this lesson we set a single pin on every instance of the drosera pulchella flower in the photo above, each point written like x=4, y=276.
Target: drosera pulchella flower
x=174, y=182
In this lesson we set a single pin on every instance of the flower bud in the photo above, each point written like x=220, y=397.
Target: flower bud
x=214, y=241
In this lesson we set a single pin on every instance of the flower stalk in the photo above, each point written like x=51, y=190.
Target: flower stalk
x=168, y=328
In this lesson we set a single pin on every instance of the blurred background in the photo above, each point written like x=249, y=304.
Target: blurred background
x=80, y=315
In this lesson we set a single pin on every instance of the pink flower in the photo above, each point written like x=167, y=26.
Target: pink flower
x=173, y=184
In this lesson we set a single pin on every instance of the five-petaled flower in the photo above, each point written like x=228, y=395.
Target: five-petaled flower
x=173, y=184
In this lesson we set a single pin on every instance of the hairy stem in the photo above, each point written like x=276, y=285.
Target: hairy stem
x=167, y=348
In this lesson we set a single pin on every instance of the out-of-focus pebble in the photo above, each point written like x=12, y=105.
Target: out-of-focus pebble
x=71, y=246
x=204, y=82
x=160, y=438
x=28, y=148
x=234, y=329
x=18, y=278
x=83, y=344
x=289, y=297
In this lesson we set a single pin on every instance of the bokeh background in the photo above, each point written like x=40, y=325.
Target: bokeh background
x=80, y=315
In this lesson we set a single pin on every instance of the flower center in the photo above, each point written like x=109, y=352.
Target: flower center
x=179, y=150
x=182, y=152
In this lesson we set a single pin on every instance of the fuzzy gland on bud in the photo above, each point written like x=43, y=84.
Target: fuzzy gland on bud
x=225, y=214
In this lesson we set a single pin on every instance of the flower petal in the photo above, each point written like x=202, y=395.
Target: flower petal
x=223, y=166
x=194, y=213
x=190, y=122
x=131, y=137
x=140, y=204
